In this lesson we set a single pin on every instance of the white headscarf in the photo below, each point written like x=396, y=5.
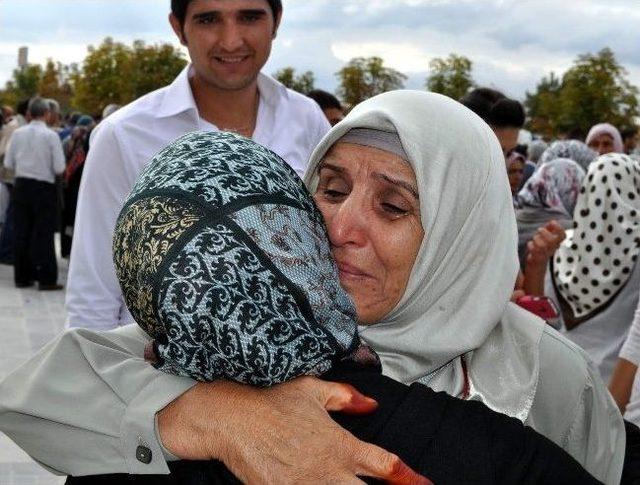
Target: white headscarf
x=455, y=312
x=595, y=261
x=606, y=129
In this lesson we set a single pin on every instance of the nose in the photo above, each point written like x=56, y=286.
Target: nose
x=231, y=37
x=346, y=225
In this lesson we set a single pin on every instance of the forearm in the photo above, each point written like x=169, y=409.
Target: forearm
x=622, y=382
x=534, y=275
x=85, y=402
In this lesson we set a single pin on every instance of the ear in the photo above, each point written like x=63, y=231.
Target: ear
x=177, y=28
x=276, y=25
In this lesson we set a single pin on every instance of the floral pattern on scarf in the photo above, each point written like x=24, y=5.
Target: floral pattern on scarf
x=572, y=149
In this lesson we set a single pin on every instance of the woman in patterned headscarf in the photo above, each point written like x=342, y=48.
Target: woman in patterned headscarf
x=572, y=149
x=550, y=194
x=594, y=273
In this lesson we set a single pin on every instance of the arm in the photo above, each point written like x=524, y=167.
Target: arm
x=57, y=154
x=539, y=250
x=84, y=403
x=94, y=299
x=625, y=372
x=10, y=156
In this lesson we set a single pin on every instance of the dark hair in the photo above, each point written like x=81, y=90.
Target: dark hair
x=495, y=108
x=179, y=8
x=324, y=99
x=522, y=150
x=628, y=132
x=23, y=107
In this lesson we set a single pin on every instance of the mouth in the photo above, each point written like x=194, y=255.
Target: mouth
x=348, y=271
x=231, y=59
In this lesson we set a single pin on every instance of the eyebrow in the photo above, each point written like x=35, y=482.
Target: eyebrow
x=380, y=176
x=259, y=12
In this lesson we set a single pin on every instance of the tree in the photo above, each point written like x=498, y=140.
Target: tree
x=23, y=84
x=363, y=78
x=451, y=76
x=55, y=83
x=117, y=73
x=595, y=89
x=302, y=83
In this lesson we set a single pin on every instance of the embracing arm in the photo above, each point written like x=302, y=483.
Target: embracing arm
x=86, y=402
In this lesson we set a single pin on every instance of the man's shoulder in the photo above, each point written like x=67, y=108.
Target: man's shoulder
x=305, y=108
x=140, y=109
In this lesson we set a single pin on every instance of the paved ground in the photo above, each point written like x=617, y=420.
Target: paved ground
x=28, y=320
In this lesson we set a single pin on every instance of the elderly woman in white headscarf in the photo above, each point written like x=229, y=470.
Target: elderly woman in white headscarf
x=447, y=320
x=415, y=197
x=605, y=138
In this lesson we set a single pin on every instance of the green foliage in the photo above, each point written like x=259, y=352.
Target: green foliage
x=22, y=85
x=594, y=90
x=55, y=83
x=364, y=77
x=302, y=83
x=451, y=76
x=117, y=73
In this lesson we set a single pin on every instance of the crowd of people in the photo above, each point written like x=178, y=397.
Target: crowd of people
x=241, y=252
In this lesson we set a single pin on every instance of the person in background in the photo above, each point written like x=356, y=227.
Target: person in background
x=76, y=149
x=630, y=140
x=222, y=89
x=35, y=154
x=505, y=116
x=7, y=177
x=535, y=150
x=593, y=277
x=110, y=109
x=549, y=195
x=515, y=171
x=69, y=124
x=574, y=150
x=54, y=115
x=329, y=104
x=605, y=138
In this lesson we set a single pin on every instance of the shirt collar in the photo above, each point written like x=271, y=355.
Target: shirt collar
x=37, y=123
x=179, y=98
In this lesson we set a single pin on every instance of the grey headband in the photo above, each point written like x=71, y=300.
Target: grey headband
x=382, y=140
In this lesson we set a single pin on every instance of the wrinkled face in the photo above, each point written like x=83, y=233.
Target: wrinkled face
x=508, y=138
x=228, y=40
x=369, y=200
x=515, y=173
x=334, y=115
x=602, y=144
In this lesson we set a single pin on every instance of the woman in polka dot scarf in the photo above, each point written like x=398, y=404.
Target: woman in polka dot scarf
x=594, y=269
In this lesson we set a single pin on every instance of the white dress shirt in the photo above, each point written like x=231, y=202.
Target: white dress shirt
x=288, y=123
x=35, y=152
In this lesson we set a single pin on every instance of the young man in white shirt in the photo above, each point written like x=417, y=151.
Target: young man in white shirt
x=35, y=154
x=229, y=41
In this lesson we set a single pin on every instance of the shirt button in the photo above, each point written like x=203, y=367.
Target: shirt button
x=143, y=454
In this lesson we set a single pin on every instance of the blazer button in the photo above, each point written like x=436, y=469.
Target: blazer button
x=143, y=454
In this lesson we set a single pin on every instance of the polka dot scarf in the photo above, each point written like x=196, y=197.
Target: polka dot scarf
x=595, y=261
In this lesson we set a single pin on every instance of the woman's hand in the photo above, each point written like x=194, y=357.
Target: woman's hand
x=278, y=435
x=544, y=243
x=540, y=249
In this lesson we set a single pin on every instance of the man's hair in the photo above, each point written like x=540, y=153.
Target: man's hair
x=23, y=107
x=495, y=108
x=38, y=107
x=629, y=132
x=179, y=8
x=324, y=99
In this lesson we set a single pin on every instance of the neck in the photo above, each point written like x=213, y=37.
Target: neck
x=229, y=110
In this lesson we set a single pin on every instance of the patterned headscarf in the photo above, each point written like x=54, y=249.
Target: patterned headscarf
x=606, y=129
x=536, y=149
x=572, y=149
x=554, y=186
x=595, y=261
x=223, y=260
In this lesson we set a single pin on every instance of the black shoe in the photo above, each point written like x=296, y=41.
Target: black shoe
x=27, y=284
x=53, y=287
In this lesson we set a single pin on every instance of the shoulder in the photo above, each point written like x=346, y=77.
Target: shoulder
x=304, y=108
x=139, y=111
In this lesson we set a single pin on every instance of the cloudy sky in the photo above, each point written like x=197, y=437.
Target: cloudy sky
x=512, y=43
